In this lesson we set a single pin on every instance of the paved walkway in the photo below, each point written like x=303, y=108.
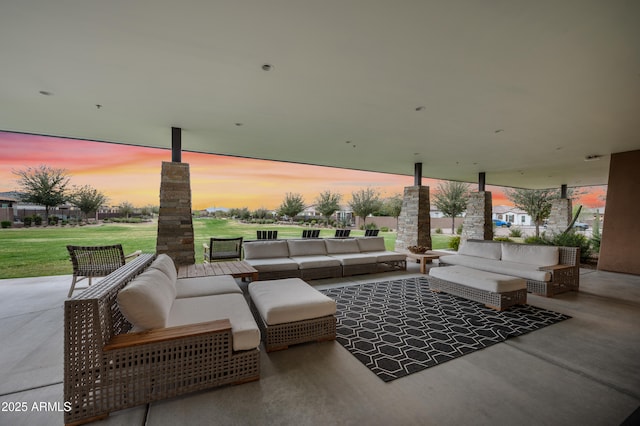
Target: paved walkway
x=582, y=371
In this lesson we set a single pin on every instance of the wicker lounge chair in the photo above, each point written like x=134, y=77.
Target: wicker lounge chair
x=371, y=232
x=310, y=233
x=342, y=233
x=222, y=249
x=96, y=261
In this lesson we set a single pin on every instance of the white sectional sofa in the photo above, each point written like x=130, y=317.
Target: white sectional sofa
x=548, y=270
x=321, y=258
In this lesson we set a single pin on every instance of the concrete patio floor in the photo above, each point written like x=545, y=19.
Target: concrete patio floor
x=583, y=371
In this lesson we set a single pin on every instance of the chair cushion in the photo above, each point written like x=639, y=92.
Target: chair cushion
x=165, y=264
x=265, y=249
x=371, y=244
x=306, y=248
x=530, y=254
x=340, y=246
x=206, y=286
x=246, y=334
x=482, y=280
x=146, y=301
x=308, y=262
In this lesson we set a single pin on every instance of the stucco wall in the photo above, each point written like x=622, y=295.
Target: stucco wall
x=621, y=229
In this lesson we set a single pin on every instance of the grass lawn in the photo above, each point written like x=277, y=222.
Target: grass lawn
x=41, y=251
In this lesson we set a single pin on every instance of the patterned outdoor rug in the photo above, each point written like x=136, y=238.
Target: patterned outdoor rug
x=400, y=327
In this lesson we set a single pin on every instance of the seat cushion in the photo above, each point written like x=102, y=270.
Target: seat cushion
x=482, y=280
x=193, y=310
x=289, y=300
x=355, y=258
x=308, y=262
x=273, y=265
x=206, y=286
x=146, y=301
x=387, y=256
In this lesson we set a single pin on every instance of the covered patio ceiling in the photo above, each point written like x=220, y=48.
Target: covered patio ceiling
x=524, y=91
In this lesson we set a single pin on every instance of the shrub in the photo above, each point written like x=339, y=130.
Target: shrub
x=438, y=230
x=536, y=240
x=572, y=239
x=503, y=239
x=53, y=220
x=371, y=226
x=454, y=243
x=384, y=229
x=27, y=221
x=459, y=230
x=37, y=220
x=6, y=224
x=515, y=232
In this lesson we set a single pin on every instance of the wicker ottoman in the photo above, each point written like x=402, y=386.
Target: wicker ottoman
x=290, y=311
x=496, y=291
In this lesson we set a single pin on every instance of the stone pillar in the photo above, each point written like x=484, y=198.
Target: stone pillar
x=175, y=224
x=414, y=222
x=477, y=223
x=560, y=216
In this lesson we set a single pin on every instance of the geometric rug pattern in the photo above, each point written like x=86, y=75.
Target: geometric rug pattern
x=400, y=327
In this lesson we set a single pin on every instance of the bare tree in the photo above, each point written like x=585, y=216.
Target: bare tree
x=43, y=185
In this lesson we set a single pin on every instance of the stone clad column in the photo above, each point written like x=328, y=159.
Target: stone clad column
x=175, y=223
x=560, y=216
x=414, y=222
x=477, y=223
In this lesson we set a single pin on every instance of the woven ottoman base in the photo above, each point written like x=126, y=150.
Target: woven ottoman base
x=280, y=308
x=496, y=291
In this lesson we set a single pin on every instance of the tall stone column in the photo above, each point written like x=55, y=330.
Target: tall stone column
x=477, y=223
x=175, y=224
x=414, y=222
x=560, y=216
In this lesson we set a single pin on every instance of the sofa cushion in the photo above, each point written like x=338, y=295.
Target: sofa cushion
x=387, y=256
x=206, y=286
x=487, y=250
x=289, y=300
x=265, y=249
x=522, y=270
x=308, y=262
x=530, y=254
x=146, y=301
x=340, y=246
x=306, y=248
x=355, y=258
x=482, y=280
x=165, y=264
x=193, y=310
x=371, y=244
x=272, y=265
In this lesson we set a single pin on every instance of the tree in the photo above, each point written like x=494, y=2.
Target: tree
x=87, y=199
x=126, y=208
x=451, y=199
x=292, y=205
x=536, y=202
x=43, y=185
x=365, y=202
x=327, y=203
x=392, y=206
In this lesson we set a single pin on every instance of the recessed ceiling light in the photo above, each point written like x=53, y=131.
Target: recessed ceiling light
x=267, y=67
x=239, y=124
x=45, y=93
x=420, y=108
x=593, y=157
x=498, y=130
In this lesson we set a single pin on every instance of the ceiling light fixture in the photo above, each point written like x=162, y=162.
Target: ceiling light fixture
x=267, y=67
x=593, y=157
x=420, y=108
x=498, y=131
x=238, y=124
x=45, y=93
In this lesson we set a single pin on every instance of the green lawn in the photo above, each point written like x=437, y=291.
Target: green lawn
x=34, y=252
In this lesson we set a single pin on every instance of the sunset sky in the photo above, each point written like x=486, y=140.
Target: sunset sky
x=131, y=173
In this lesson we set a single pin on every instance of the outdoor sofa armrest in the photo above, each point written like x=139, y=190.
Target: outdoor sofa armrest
x=553, y=268
x=158, y=335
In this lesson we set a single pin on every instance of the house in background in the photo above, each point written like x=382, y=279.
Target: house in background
x=512, y=214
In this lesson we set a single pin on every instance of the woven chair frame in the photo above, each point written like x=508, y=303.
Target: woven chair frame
x=497, y=301
x=99, y=380
x=310, y=233
x=267, y=235
x=281, y=336
x=223, y=249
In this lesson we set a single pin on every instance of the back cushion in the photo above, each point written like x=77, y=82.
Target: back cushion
x=371, y=244
x=340, y=246
x=265, y=249
x=488, y=250
x=530, y=254
x=306, y=248
x=165, y=264
x=146, y=301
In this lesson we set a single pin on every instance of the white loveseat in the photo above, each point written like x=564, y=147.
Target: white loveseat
x=321, y=258
x=548, y=270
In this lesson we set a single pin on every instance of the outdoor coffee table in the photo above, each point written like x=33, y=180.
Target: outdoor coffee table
x=424, y=258
x=237, y=269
